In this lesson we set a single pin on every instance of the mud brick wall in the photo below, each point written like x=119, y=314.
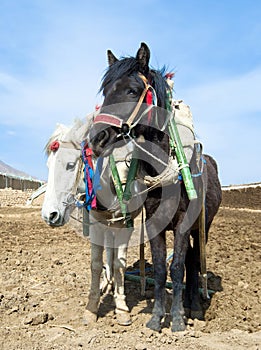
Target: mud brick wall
x=10, y=197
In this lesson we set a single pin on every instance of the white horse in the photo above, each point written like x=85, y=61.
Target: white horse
x=107, y=227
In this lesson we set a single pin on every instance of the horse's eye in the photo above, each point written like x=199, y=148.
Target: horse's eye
x=70, y=166
x=131, y=92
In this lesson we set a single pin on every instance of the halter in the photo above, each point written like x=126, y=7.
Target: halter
x=54, y=146
x=113, y=120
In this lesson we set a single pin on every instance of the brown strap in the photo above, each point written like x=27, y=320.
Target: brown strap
x=138, y=105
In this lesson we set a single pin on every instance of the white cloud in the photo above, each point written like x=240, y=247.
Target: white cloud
x=41, y=103
x=227, y=98
x=9, y=83
x=11, y=133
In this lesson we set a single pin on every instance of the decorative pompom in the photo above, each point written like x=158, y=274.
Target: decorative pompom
x=54, y=146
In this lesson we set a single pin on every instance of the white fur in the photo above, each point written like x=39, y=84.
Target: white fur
x=59, y=188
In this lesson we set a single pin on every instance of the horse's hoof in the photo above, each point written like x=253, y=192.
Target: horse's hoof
x=154, y=324
x=178, y=325
x=123, y=319
x=197, y=315
x=187, y=312
x=89, y=317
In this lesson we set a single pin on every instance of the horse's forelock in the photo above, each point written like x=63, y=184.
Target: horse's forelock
x=63, y=132
x=124, y=66
x=57, y=135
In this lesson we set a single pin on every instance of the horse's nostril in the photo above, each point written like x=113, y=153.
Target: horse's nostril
x=54, y=217
x=103, y=136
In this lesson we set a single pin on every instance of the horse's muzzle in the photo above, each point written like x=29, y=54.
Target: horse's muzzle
x=54, y=219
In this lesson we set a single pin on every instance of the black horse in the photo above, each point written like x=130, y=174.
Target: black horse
x=126, y=114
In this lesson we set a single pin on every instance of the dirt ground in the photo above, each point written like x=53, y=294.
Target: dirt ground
x=45, y=278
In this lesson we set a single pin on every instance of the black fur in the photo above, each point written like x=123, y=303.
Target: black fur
x=172, y=214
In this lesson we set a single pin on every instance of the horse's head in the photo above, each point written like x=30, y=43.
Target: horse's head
x=131, y=89
x=65, y=175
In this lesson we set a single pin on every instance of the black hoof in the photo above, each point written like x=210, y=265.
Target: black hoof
x=197, y=315
x=154, y=324
x=187, y=312
x=178, y=324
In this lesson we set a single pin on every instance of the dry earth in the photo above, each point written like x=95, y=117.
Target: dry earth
x=45, y=279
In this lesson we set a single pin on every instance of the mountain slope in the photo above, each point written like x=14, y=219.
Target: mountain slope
x=7, y=169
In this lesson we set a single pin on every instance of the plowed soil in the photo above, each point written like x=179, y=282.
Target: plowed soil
x=45, y=278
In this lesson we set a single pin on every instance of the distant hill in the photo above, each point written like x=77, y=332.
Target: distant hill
x=7, y=169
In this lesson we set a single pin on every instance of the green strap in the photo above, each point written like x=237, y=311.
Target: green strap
x=176, y=145
x=131, y=177
x=119, y=192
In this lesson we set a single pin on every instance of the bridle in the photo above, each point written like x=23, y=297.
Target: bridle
x=54, y=146
x=126, y=126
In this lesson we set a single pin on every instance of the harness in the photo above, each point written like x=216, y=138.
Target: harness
x=175, y=142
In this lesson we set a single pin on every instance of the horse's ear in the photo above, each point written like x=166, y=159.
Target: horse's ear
x=143, y=56
x=111, y=58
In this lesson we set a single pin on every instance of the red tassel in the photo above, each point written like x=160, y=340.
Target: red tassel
x=169, y=75
x=149, y=97
x=149, y=101
x=88, y=155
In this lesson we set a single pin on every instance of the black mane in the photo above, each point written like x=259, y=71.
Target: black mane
x=129, y=66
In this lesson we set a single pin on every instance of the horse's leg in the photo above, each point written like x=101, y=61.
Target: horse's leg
x=158, y=252
x=119, y=268
x=177, y=276
x=107, y=283
x=192, y=299
x=189, y=282
x=122, y=310
x=94, y=294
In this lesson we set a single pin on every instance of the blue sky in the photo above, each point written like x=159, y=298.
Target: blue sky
x=53, y=55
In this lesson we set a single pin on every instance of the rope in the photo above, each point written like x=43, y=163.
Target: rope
x=147, y=152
